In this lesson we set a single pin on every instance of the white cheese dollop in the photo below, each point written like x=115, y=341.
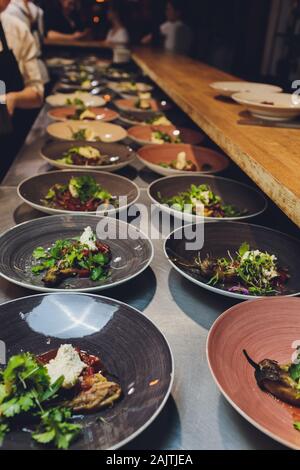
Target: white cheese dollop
x=67, y=363
x=88, y=238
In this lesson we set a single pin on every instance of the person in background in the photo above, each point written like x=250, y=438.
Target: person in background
x=20, y=82
x=177, y=36
x=33, y=17
x=118, y=34
x=63, y=22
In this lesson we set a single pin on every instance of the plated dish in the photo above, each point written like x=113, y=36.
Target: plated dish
x=237, y=260
x=83, y=114
x=59, y=62
x=270, y=106
x=78, y=99
x=69, y=191
x=229, y=88
x=87, y=131
x=23, y=260
x=130, y=88
x=177, y=159
x=196, y=197
x=141, y=105
x=100, y=409
x=94, y=156
x=267, y=330
x=142, y=118
x=161, y=134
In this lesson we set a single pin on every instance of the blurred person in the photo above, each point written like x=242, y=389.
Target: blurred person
x=118, y=34
x=21, y=83
x=63, y=21
x=33, y=17
x=177, y=36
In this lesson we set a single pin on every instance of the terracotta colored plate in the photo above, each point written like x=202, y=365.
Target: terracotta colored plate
x=137, y=117
x=64, y=114
x=228, y=237
x=206, y=160
x=106, y=132
x=266, y=328
x=129, y=105
x=142, y=134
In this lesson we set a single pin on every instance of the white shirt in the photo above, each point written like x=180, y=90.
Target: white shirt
x=21, y=42
x=17, y=9
x=118, y=37
x=177, y=37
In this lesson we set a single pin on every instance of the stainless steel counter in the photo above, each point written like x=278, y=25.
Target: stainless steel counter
x=196, y=416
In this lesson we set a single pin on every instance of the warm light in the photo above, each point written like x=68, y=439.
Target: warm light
x=100, y=1
x=96, y=19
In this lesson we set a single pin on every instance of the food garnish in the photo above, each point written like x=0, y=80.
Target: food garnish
x=160, y=120
x=181, y=163
x=281, y=380
x=248, y=272
x=30, y=395
x=84, y=155
x=159, y=137
x=85, y=257
x=81, y=193
x=85, y=134
x=201, y=200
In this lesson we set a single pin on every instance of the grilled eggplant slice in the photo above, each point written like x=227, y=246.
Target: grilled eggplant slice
x=275, y=378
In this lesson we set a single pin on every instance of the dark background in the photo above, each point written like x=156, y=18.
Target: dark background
x=253, y=39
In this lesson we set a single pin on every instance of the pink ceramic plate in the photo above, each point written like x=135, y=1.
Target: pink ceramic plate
x=266, y=329
x=130, y=105
x=142, y=134
x=205, y=160
x=63, y=114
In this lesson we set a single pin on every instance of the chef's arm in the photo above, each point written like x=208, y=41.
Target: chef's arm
x=28, y=98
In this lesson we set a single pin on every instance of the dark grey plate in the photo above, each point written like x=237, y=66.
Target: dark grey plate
x=34, y=189
x=232, y=192
x=133, y=350
x=130, y=256
x=228, y=236
x=121, y=155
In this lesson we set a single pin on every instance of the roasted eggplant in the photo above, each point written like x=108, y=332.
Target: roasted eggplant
x=276, y=379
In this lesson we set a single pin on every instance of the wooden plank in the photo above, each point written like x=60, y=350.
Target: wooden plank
x=269, y=156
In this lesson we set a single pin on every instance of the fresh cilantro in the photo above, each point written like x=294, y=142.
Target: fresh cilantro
x=55, y=428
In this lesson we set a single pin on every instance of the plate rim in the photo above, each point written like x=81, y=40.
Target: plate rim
x=49, y=290
x=197, y=219
x=230, y=401
x=216, y=290
x=66, y=212
x=55, y=119
x=172, y=375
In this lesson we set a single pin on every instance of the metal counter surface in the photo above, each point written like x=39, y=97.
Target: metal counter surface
x=196, y=416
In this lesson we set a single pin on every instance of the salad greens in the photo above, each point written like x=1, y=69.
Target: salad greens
x=248, y=272
x=81, y=193
x=201, y=200
x=163, y=137
x=85, y=257
x=25, y=388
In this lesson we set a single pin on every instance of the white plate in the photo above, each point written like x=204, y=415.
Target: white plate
x=106, y=132
x=270, y=106
x=229, y=88
x=60, y=99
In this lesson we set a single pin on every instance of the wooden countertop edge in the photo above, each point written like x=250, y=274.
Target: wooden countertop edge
x=285, y=199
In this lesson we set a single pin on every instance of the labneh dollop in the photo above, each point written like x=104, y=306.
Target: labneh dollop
x=67, y=363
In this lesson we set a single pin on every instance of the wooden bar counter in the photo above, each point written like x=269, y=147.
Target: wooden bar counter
x=269, y=156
